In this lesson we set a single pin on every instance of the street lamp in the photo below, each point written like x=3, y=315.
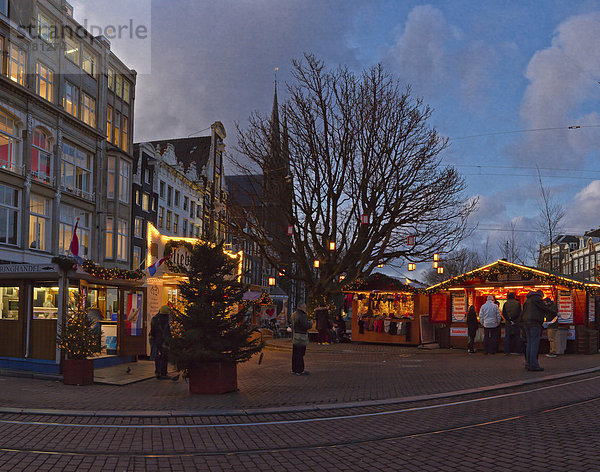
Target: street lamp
x=271, y=281
x=316, y=263
x=332, y=246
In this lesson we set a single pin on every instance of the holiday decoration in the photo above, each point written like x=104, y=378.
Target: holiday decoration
x=77, y=339
x=67, y=263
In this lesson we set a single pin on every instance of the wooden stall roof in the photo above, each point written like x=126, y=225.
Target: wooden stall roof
x=383, y=283
x=491, y=271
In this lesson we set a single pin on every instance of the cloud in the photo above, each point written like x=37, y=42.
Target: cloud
x=562, y=82
x=584, y=211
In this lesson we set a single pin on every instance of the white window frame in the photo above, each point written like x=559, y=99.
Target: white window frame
x=44, y=153
x=72, y=50
x=9, y=134
x=138, y=227
x=16, y=65
x=109, y=239
x=46, y=28
x=68, y=218
x=109, y=123
x=9, y=215
x=40, y=222
x=82, y=175
x=88, y=110
x=111, y=167
x=145, y=202
x=124, y=179
x=122, y=241
x=44, y=81
x=88, y=62
x=71, y=99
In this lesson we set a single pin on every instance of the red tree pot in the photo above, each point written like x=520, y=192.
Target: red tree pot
x=78, y=371
x=213, y=377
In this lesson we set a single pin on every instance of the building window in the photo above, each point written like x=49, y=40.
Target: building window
x=161, y=216
x=68, y=218
x=117, y=137
x=137, y=197
x=9, y=214
x=111, y=78
x=110, y=181
x=126, y=90
x=185, y=227
x=16, y=65
x=4, y=7
x=88, y=110
x=124, y=173
x=122, y=241
x=177, y=198
x=71, y=50
x=71, y=98
x=125, y=139
x=185, y=203
x=39, y=222
x=192, y=209
x=110, y=231
x=44, y=77
x=46, y=28
x=119, y=85
x=9, y=143
x=76, y=170
x=109, y=120
x=169, y=214
x=175, y=223
x=169, y=195
x=162, y=189
x=40, y=156
x=137, y=257
x=147, y=176
x=146, y=202
x=88, y=62
x=138, y=227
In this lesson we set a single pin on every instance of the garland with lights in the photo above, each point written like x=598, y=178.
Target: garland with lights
x=381, y=283
x=491, y=272
x=67, y=263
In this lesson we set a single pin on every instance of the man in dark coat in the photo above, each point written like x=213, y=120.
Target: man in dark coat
x=534, y=312
x=160, y=333
x=511, y=312
x=472, y=326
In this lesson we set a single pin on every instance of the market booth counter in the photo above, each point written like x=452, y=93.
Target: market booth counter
x=576, y=302
x=385, y=310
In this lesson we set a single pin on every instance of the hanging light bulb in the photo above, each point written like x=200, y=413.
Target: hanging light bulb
x=440, y=270
x=436, y=257
x=435, y=264
x=271, y=281
x=332, y=246
x=316, y=263
x=380, y=265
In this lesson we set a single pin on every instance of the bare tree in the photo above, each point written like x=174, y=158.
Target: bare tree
x=364, y=171
x=456, y=263
x=511, y=248
x=550, y=218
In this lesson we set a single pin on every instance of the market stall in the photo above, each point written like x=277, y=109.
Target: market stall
x=576, y=301
x=385, y=310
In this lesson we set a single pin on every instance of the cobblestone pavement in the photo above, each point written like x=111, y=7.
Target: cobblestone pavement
x=340, y=373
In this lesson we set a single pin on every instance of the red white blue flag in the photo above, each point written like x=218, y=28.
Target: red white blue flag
x=74, y=247
x=154, y=267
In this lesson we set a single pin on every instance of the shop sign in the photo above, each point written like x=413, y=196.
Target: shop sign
x=181, y=256
x=592, y=308
x=509, y=277
x=268, y=312
x=154, y=299
x=459, y=307
x=565, y=307
x=458, y=332
x=20, y=268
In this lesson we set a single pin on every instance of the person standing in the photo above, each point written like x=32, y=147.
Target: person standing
x=160, y=333
x=552, y=328
x=489, y=316
x=340, y=327
x=300, y=327
x=323, y=325
x=472, y=327
x=511, y=312
x=534, y=310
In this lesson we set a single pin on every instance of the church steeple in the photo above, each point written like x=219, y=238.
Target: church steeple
x=275, y=134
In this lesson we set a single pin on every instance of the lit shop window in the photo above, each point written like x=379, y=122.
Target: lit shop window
x=9, y=303
x=45, y=301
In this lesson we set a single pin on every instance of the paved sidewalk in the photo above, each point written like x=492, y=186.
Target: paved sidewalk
x=341, y=375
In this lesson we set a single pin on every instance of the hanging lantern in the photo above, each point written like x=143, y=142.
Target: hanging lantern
x=436, y=257
x=435, y=264
x=332, y=246
x=290, y=230
x=412, y=266
x=440, y=270
x=342, y=277
x=410, y=240
x=316, y=263
x=281, y=273
x=365, y=219
x=271, y=281
x=380, y=265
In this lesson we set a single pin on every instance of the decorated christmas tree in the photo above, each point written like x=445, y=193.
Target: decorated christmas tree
x=208, y=326
x=77, y=338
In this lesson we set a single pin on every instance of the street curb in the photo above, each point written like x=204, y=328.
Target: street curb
x=291, y=409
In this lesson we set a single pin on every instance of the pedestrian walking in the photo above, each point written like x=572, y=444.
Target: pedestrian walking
x=323, y=324
x=534, y=310
x=489, y=317
x=160, y=334
x=512, y=312
x=472, y=327
x=552, y=328
x=300, y=327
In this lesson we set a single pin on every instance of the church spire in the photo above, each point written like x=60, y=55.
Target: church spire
x=275, y=135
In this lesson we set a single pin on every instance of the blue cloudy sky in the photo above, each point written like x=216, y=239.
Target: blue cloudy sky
x=506, y=80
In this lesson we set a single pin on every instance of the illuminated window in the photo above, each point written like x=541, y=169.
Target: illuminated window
x=126, y=90
x=175, y=223
x=72, y=50
x=16, y=65
x=110, y=231
x=169, y=214
x=44, y=78
x=71, y=98
x=146, y=202
x=161, y=216
x=40, y=156
x=39, y=222
x=76, y=170
x=138, y=227
x=111, y=78
x=9, y=144
x=109, y=120
x=124, y=173
x=46, y=28
x=122, y=241
x=88, y=62
x=117, y=137
x=88, y=109
x=137, y=257
x=125, y=138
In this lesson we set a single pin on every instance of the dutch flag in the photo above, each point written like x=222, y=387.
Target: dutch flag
x=154, y=267
x=74, y=247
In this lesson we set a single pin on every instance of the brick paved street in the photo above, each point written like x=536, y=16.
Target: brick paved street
x=460, y=432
